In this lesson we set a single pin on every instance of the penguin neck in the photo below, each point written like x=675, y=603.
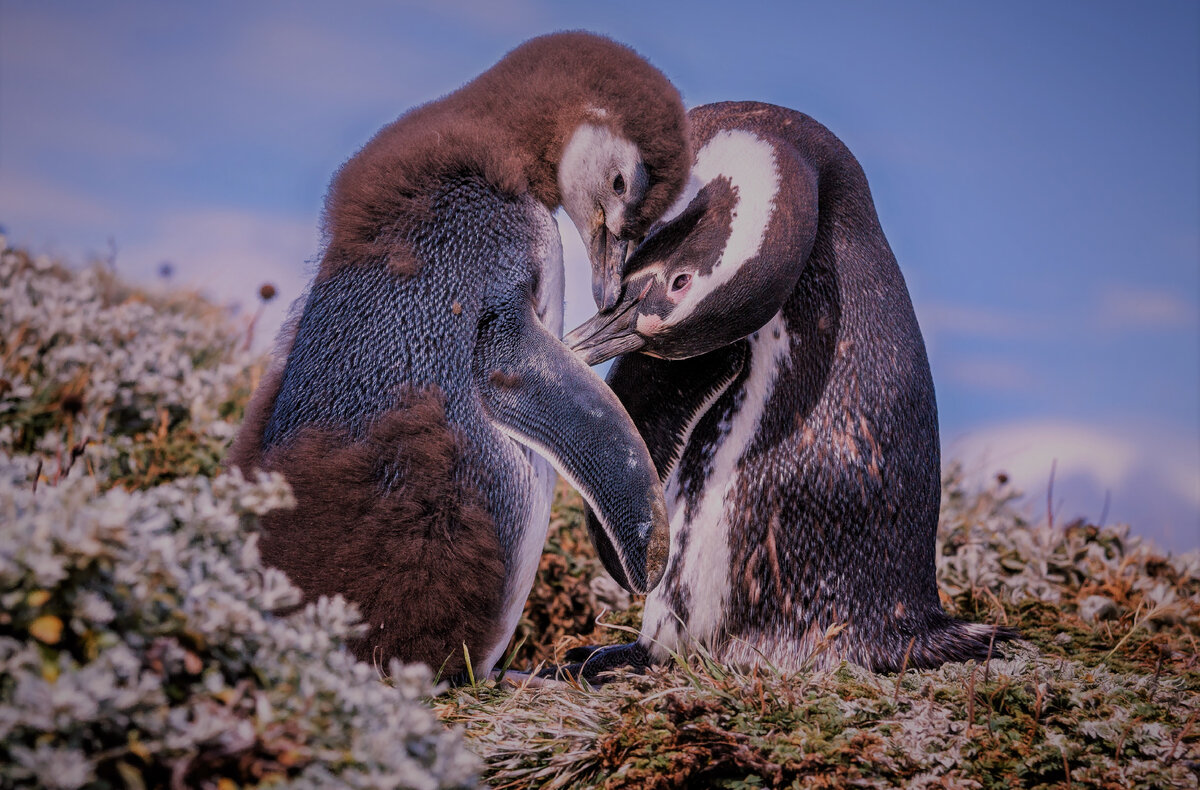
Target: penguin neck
x=848, y=244
x=849, y=234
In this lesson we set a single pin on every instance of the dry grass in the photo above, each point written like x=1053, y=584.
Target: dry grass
x=1104, y=692
x=1107, y=701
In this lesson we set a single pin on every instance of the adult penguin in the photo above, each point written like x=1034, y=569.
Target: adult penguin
x=781, y=383
x=422, y=381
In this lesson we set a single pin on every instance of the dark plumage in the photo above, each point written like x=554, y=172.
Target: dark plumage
x=508, y=125
x=423, y=368
x=801, y=462
x=433, y=522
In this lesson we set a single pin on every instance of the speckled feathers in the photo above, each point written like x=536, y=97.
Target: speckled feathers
x=804, y=497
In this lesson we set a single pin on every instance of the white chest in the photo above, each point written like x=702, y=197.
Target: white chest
x=700, y=572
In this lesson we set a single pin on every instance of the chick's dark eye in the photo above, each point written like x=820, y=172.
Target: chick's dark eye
x=680, y=282
x=619, y=184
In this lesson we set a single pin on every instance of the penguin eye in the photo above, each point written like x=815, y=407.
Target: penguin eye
x=681, y=281
x=619, y=184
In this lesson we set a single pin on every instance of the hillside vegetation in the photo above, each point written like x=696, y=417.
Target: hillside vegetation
x=139, y=648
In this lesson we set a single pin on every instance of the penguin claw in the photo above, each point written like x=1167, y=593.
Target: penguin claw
x=576, y=673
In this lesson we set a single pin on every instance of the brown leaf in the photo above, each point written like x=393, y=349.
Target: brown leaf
x=47, y=629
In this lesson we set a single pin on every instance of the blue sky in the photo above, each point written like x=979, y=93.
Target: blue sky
x=1036, y=167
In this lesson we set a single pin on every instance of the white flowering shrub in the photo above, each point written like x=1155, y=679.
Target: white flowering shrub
x=137, y=639
x=142, y=642
x=138, y=386
x=987, y=546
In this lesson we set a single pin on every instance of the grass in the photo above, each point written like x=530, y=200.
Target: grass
x=1104, y=690
x=1105, y=703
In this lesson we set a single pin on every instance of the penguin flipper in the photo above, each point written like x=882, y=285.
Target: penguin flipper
x=539, y=393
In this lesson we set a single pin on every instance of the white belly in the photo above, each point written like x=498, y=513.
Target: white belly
x=702, y=569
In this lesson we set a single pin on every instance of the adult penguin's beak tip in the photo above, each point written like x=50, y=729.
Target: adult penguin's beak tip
x=606, y=335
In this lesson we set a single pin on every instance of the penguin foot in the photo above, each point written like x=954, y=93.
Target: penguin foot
x=595, y=663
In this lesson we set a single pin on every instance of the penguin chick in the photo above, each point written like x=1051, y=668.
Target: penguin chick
x=783, y=389
x=422, y=393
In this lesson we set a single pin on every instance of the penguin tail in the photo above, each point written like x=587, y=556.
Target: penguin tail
x=953, y=640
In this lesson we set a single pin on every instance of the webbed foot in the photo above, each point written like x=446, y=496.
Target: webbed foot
x=595, y=663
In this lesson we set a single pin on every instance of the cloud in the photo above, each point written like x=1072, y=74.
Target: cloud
x=941, y=318
x=1183, y=244
x=92, y=132
x=991, y=375
x=226, y=253
x=71, y=84
x=303, y=60
x=60, y=47
x=363, y=65
x=1028, y=450
x=1152, y=474
x=24, y=199
x=946, y=327
x=1128, y=307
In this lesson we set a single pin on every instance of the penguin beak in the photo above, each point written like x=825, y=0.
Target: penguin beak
x=607, y=253
x=606, y=335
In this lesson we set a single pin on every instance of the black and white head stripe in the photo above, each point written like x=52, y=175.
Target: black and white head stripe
x=748, y=162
